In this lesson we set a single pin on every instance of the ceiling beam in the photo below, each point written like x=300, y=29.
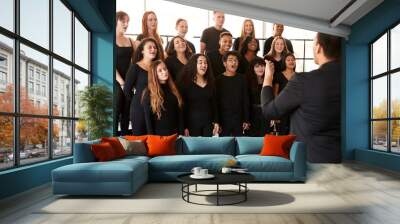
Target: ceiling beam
x=347, y=11
x=269, y=15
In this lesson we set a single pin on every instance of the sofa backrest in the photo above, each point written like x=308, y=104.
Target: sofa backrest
x=83, y=152
x=207, y=145
x=249, y=145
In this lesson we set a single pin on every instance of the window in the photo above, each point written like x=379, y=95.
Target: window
x=45, y=74
x=385, y=94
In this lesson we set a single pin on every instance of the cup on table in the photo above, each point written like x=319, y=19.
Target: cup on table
x=226, y=170
x=196, y=171
x=203, y=172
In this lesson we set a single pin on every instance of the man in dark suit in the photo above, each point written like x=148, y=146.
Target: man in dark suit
x=313, y=100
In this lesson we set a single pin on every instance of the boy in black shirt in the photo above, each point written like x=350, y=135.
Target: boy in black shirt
x=233, y=101
x=216, y=62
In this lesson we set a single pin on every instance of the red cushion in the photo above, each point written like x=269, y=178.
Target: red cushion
x=116, y=145
x=136, y=137
x=103, y=152
x=161, y=145
x=277, y=145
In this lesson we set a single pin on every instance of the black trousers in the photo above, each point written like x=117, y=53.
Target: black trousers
x=137, y=117
x=122, y=111
x=231, y=128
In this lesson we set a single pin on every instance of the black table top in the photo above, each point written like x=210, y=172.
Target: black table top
x=220, y=178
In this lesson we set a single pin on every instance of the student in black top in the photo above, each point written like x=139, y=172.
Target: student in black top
x=210, y=37
x=200, y=97
x=280, y=80
x=233, y=101
x=248, y=53
x=277, y=30
x=276, y=53
x=124, y=59
x=178, y=55
x=136, y=82
x=247, y=31
x=150, y=30
x=162, y=102
x=313, y=99
x=182, y=28
x=225, y=44
x=255, y=76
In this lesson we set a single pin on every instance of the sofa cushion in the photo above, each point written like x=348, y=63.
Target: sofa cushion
x=103, y=152
x=161, y=145
x=116, y=145
x=277, y=145
x=97, y=172
x=208, y=145
x=257, y=163
x=83, y=152
x=249, y=145
x=185, y=163
x=135, y=147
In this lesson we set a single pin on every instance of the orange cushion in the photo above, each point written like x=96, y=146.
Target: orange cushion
x=277, y=145
x=161, y=145
x=136, y=137
x=116, y=145
x=103, y=151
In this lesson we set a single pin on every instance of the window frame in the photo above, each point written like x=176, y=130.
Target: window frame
x=388, y=74
x=16, y=114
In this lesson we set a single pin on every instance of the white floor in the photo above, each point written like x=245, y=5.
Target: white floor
x=377, y=189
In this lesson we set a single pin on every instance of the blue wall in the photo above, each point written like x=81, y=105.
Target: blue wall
x=99, y=16
x=357, y=84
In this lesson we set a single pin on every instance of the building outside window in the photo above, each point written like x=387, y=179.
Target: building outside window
x=57, y=126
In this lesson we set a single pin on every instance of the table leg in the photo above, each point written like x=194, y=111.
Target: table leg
x=217, y=194
x=196, y=188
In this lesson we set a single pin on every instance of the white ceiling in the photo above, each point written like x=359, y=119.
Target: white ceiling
x=316, y=15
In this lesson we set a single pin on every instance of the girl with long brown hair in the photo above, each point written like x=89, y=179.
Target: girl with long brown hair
x=150, y=30
x=277, y=52
x=136, y=82
x=247, y=31
x=162, y=102
x=178, y=55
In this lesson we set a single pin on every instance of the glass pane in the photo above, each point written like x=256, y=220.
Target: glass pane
x=6, y=142
x=395, y=95
x=81, y=81
x=62, y=89
x=35, y=21
x=379, y=135
x=81, y=131
x=81, y=45
x=34, y=97
x=34, y=144
x=6, y=74
x=379, y=98
x=62, y=29
x=299, y=65
x=379, y=56
x=7, y=14
x=310, y=65
x=395, y=136
x=298, y=48
x=309, y=49
x=395, y=47
x=62, y=141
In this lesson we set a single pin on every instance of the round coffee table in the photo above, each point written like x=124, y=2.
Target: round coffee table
x=238, y=179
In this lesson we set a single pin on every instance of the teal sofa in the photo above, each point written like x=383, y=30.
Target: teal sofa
x=125, y=176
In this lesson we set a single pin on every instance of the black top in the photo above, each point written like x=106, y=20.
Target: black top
x=200, y=104
x=236, y=44
x=217, y=64
x=171, y=120
x=268, y=43
x=124, y=56
x=190, y=44
x=220, y=178
x=281, y=80
x=233, y=99
x=314, y=100
x=174, y=67
x=210, y=37
x=136, y=79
